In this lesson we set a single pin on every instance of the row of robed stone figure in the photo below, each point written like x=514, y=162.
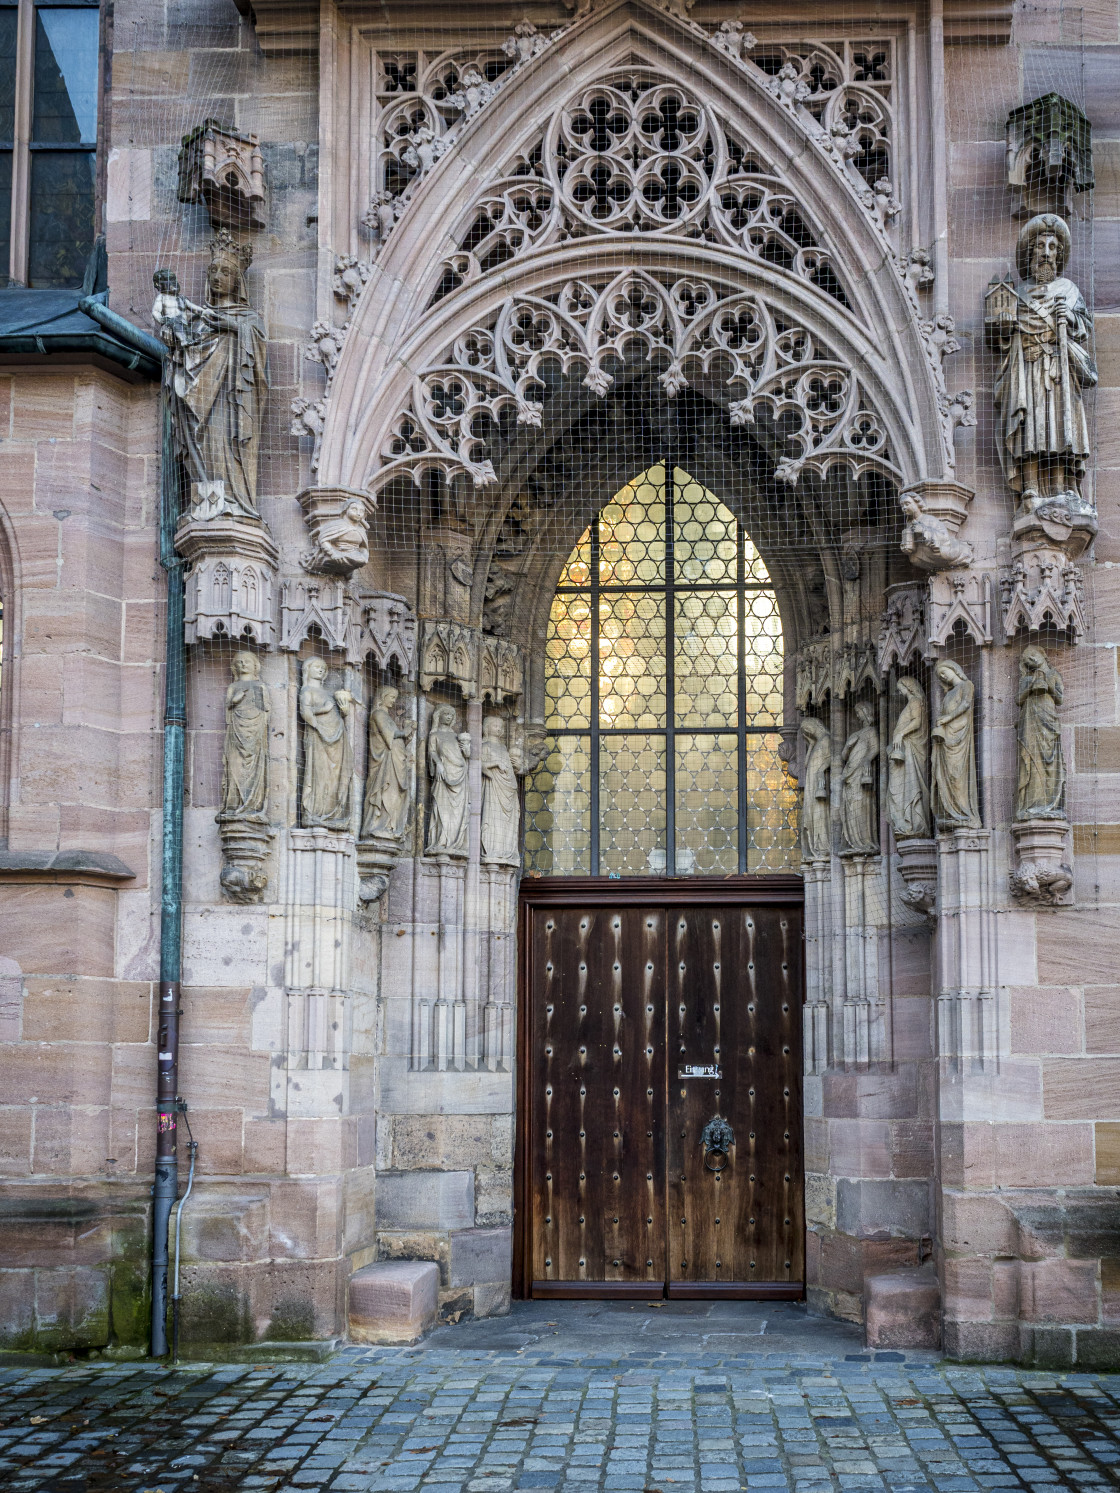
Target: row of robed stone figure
x=931, y=774
x=326, y=799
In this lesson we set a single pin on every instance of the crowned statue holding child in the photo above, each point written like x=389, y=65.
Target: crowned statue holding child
x=216, y=375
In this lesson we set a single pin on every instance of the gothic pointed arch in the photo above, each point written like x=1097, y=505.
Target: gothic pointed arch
x=749, y=261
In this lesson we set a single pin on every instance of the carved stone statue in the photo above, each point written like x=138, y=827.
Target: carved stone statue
x=859, y=824
x=1042, y=772
x=388, y=775
x=954, y=797
x=243, y=816
x=907, y=781
x=816, y=836
x=245, y=750
x=216, y=375
x=449, y=811
x=501, y=812
x=328, y=757
x=1044, y=332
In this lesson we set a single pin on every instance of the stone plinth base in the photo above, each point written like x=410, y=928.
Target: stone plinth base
x=393, y=1302
x=902, y=1309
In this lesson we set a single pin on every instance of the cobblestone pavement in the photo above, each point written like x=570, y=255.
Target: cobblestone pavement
x=684, y=1398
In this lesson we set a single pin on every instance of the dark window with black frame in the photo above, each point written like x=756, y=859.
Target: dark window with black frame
x=663, y=697
x=49, y=82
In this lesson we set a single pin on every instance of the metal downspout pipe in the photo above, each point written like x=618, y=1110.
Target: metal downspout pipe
x=166, y=1187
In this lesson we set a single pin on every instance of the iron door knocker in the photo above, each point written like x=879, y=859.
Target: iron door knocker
x=717, y=1139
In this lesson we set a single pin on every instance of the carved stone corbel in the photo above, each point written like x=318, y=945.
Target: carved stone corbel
x=230, y=580
x=337, y=519
x=245, y=846
x=1043, y=873
x=917, y=864
x=225, y=170
x=377, y=855
x=934, y=513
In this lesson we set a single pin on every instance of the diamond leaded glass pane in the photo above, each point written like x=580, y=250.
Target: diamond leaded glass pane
x=632, y=805
x=558, y=809
x=707, y=805
x=771, y=807
x=706, y=658
x=663, y=688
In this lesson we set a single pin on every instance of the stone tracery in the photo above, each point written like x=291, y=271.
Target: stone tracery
x=629, y=155
x=739, y=348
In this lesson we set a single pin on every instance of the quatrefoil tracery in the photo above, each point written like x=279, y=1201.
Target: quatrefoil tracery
x=629, y=155
x=736, y=347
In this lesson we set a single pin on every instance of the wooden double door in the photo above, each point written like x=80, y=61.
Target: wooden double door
x=660, y=1138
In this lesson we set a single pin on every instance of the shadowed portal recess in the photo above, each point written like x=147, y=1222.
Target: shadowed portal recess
x=663, y=692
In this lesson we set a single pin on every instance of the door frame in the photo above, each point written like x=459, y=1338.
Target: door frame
x=751, y=890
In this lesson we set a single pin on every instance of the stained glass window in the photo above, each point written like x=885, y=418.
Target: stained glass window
x=663, y=694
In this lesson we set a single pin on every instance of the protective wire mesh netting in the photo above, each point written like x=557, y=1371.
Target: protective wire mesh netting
x=630, y=405
x=663, y=682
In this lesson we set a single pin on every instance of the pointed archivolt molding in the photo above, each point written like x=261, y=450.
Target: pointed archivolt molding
x=402, y=326
x=747, y=350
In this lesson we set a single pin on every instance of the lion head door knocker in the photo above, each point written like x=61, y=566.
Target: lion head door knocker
x=717, y=1140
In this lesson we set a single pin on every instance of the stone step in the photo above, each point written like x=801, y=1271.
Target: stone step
x=902, y=1308
x=393, y=1301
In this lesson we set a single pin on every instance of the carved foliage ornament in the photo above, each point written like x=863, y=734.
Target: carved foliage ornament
x=750, y=355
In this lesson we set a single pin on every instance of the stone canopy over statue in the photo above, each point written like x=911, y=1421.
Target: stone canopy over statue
x=216, y=375
x=1043, y=330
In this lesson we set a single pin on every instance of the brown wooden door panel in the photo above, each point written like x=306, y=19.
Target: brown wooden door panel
x=735, y=1010
x=621, y=999
x=597, y=1126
